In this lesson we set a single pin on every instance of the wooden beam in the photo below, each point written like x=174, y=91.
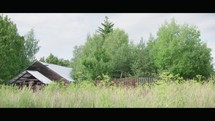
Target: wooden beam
x=26, y=75
x=23, y=73
x=33, y=80
x=29, y=81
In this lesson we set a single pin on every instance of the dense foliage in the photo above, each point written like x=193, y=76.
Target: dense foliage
x=102, y=56
x=55, y=60
x=177, y=49
x=16, y=51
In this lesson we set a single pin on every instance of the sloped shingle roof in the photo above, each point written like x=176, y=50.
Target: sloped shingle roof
x=40, y=77
x=61, y=70
x=36, y=74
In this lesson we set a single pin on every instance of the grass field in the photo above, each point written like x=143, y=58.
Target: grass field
x=165, y=94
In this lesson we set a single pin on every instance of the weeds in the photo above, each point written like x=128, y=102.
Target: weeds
x=163, y=94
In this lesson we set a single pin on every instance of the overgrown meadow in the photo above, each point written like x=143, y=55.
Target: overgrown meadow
x=160, y=94
x=177, y=48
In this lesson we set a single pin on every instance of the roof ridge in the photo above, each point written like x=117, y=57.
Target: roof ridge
x=55, y=64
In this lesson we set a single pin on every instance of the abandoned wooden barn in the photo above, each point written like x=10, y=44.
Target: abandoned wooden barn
x=40, y=74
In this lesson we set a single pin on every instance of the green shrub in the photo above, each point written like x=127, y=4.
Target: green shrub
x=167, y=76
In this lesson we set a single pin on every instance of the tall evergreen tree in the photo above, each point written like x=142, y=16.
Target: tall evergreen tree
x=106, y=28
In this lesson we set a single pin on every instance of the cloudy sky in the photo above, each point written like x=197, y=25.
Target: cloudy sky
x=58, y=33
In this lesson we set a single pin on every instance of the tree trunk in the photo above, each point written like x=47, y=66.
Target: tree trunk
x=121, y=75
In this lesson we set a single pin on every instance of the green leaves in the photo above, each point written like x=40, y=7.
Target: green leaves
x=107, y=27
x=105, y=53
x=12, y=54
x=143, y=63
x=102, y=56
x=55, y=60
x=16, y=52
x=31, y=45
x=178, y=49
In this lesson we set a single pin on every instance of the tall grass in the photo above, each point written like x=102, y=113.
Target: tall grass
x=165, y=94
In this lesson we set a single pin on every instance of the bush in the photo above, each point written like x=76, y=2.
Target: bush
x=167, y=76
x=199, y=78
x=105, y=81
x=1, y=81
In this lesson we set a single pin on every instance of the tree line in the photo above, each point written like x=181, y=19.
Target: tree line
x=55, y=60
x=177, y=49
